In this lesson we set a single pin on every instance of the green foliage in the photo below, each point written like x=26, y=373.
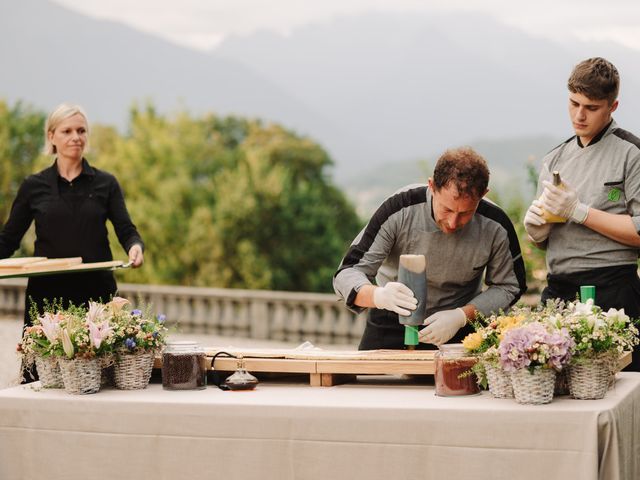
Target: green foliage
x=228, y=202
x=21, y=140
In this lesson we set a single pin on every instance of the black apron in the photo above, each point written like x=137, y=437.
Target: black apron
x=616, y=287
x=384, y=331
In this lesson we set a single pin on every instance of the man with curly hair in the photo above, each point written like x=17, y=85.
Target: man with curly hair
x=463, y=237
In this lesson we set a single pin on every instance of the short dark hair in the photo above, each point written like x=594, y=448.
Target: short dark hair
x=465, y=169
x=596, y=78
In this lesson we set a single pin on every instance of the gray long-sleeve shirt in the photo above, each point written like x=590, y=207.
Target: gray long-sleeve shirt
x=404, y=224
x=606, y=175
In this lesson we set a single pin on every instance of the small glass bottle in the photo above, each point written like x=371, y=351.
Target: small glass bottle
x=184, y=366
x=453, y=371
x=241, y=379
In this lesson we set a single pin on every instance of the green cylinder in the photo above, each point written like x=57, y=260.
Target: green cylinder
x=411, y=335
x=587, y=292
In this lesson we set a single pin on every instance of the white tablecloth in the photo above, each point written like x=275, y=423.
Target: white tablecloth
x=358, y=431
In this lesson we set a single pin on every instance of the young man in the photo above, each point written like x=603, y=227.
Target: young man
x=462, y=237
x=599, y=198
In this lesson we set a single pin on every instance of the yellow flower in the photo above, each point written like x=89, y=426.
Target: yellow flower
x=472, y=341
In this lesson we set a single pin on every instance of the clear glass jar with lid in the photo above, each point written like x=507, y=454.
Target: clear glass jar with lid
x=184, y=366
x=453, y=371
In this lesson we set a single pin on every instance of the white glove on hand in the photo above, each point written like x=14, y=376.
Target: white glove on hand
x=536, y=226
x=442, y=326
x=564, y=202
x=395, y=296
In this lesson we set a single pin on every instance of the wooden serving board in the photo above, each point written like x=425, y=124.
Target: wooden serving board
x=324, y=367
x=330, y=368
x=19, y=262
x=57, y=266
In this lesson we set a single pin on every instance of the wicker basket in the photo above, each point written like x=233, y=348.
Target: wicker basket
x=106, y=377
x=499, y=381
x=81, y=375
x=590, y=380
x=533, y=388
x=49, y=372
x=562, y=382
x=133, y=371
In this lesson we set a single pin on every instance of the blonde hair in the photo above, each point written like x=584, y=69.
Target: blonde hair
x=60, y=113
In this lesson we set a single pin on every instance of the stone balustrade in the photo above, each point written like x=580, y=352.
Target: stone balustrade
x=260, y=314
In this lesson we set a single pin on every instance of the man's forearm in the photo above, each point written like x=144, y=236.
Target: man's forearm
x=618, y=227
x=364, y=298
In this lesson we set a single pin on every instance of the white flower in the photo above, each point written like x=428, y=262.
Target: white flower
x=614, y=315
x=583, y=308
x=96, y=312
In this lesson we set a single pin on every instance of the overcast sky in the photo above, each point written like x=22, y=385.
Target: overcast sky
x=202, y=24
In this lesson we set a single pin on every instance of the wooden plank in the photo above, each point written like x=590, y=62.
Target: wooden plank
x=624, y=360
x=333, y=379
x=377, y=367
x=52, y=263
x=34, y=269
x=315, y=379
x=19, y=262
x=266, y=365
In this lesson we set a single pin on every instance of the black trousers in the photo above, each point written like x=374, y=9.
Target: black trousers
x=616, y=287
x=384, y=331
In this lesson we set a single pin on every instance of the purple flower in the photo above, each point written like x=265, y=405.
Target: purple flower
x=136, y=312
x=532, y=345
x=161, y=318
x=130, y=343
x=561, y=345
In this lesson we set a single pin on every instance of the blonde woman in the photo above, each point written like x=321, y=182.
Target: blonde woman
x=70, y=203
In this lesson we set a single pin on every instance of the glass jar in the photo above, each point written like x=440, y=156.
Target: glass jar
x=184, y=366
x=453, y=371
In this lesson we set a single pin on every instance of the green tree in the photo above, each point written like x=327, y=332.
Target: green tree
x=228, y=202
x=21, y=142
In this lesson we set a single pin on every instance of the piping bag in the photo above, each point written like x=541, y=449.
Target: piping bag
x=412, y=272
x=548, y=216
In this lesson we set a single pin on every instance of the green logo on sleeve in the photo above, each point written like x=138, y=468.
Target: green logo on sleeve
x=614, y=194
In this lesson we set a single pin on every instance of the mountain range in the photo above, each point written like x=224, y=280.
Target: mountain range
x=381, y=92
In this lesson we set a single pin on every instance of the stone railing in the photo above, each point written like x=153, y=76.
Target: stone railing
x=259, y=314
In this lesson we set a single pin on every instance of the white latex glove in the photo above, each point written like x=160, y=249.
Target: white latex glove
x=536, y=226
x=136, y=257
x=442, y=326
x=395, y=296
x=564, y=202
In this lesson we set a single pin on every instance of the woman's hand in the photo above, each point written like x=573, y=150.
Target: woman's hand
x=136, y=257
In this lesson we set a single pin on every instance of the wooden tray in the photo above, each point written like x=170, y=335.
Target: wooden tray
x=325, y=368
x=57, y=266
x=330, y=368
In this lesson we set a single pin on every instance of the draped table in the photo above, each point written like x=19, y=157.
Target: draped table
x=377, y=428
